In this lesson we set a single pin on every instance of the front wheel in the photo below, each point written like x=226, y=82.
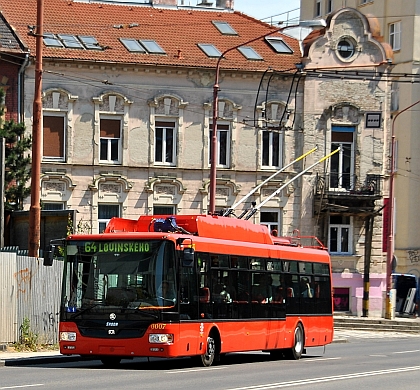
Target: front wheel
x=296, y=351
x=208, y=357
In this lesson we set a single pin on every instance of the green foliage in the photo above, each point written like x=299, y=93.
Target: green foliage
x=82, y=227
x=27, y=339
x=17, y=163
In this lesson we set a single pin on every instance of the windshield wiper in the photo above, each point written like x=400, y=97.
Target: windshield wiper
x=85, y=310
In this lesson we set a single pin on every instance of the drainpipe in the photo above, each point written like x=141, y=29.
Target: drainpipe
x=20, y=87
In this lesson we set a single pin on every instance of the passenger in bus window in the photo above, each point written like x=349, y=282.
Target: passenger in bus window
x=278, y=295
x=305, y=288
x=261, y=291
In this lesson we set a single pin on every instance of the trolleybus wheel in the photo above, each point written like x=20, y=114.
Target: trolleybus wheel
x=110, y=361
x=208, y=357
x=296, y=351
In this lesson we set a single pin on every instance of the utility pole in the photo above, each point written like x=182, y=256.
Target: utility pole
x=35, y=210
x=2, y=159
x=366, y=275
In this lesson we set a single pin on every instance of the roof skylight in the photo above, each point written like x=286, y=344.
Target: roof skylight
x=132, y=45
x=249, y=53
x=70, y=41
x=152, y=47
x=90, y=42
x=224, y=27
x=279, y=45
x=142, y=46
x=51, y=40
x=210, y=50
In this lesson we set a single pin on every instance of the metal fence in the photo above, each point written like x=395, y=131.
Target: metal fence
x=29, y=290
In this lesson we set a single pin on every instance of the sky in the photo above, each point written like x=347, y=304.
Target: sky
x=261, y=9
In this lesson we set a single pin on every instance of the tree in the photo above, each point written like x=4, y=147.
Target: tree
x=17, y=162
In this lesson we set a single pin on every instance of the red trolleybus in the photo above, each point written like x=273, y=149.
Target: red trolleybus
x=192, y=285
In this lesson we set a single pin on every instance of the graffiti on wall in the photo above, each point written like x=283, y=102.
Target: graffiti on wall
x=23, y=278
x=413, y=256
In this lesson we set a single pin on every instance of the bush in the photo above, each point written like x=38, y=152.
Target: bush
x=27, y=339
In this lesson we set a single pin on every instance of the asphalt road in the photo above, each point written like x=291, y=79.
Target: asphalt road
x=368, y=360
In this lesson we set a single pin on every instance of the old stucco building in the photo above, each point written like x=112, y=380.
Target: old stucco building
x=127, y=114
x=397, y=24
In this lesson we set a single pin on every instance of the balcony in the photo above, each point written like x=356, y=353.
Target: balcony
x=345, y=193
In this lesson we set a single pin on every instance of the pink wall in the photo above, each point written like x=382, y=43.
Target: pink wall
x=354, y=282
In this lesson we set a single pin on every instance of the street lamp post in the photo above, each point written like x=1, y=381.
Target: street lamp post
x=318, y=23
x=390, y=214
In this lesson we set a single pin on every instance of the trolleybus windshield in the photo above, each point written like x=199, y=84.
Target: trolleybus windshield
x=121, y=276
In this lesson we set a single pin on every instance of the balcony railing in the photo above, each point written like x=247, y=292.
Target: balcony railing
x=348, y=184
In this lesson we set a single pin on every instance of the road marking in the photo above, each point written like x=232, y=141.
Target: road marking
x=21, y=386
x=414, y=350
x=195, y=370
x=319, y=359
x=327, y=379
x=378, y=355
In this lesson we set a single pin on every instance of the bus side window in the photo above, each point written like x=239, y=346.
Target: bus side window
x=204, y=295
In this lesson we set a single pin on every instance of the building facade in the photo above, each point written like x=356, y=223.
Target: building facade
x=398, y=24
x=127, y=121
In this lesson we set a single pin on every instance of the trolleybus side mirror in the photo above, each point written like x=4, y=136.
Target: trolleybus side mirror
x=188, y=257
x=49, y=256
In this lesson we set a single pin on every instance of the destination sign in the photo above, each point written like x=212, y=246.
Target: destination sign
x=116, y=247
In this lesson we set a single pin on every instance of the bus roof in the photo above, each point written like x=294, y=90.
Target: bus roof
x=205, y=226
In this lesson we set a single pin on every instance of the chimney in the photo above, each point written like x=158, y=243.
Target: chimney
x=164, y=2
x=227, y=4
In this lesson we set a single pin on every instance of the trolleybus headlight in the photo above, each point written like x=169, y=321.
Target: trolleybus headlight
x=67, y=336
x=160, y=338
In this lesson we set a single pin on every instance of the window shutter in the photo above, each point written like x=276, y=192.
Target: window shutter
x=164, y=124
x=110, y=128
x=53, y=145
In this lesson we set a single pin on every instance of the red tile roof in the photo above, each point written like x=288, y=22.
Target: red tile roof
x=176, y=30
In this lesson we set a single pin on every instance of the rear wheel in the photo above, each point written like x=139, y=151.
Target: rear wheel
x=296, y=351
x=208, y=357
x=110, y=361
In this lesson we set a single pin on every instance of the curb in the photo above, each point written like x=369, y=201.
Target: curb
x=38, y=360
x=340, y=341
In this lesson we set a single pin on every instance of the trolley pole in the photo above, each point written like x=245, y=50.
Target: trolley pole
x=35, y=209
